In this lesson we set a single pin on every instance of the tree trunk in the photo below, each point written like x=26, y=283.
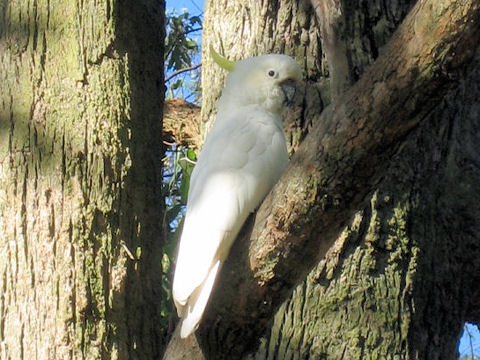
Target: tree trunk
x=387, y=283
x=402, y=278
x=81, y=95
x=388, y=287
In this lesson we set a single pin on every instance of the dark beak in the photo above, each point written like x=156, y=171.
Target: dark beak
x=289, y=88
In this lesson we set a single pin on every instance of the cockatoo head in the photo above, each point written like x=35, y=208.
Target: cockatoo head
x=267, y=80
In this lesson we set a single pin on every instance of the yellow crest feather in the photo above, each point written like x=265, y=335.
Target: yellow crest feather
x=224, y=63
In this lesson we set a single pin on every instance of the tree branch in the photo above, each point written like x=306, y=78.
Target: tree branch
x=181, y=71
x=332, y=26
x=168, y=50
x=335, y=168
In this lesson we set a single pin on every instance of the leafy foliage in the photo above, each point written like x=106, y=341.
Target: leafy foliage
x=179, y=46
x=178, y=166
x=182, y=52
x=182, y=60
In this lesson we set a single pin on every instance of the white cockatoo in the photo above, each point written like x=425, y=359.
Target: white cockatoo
x=242, y=158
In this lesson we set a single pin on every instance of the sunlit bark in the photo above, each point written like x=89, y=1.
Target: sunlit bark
x=81, y=94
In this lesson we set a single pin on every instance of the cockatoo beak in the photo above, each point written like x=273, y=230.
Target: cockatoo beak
x=289, y=88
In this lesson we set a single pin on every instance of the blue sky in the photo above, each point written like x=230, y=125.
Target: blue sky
x=469, y=344
x=195, y=7
x=189, y=78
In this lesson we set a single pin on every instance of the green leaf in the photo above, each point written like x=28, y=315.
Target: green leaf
x=184, y=185
x=165, y=263
x=191, y=155
x=191, y=44
x=195, y=20
x=177, y=84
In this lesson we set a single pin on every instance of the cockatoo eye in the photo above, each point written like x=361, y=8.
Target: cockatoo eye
x=271, y=73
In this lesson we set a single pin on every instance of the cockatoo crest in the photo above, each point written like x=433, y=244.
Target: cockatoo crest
x=221, y=61
x=243, y=157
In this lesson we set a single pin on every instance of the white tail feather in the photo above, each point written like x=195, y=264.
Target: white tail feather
x=197, y=302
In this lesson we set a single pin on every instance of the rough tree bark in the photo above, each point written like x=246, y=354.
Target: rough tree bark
x=393, y=283
x=401, y=279
x=181, y=124
x=81, y=95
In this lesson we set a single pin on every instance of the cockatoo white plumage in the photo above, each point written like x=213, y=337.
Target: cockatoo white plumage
x=242, y=158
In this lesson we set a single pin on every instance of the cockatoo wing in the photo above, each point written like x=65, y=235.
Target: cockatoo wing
x=243, y=157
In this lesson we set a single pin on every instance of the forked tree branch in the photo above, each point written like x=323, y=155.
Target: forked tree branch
x=334, y=170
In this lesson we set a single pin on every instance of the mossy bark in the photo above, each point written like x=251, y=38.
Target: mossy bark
x=394, y=283
x=400, y=281
x=378, y=294
x=81, y=94
x=368, y=297
x=383, y=290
